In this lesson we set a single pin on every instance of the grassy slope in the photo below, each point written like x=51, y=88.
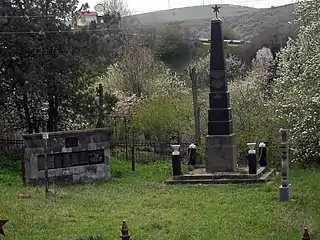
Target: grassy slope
x=246, y=22
x=190, y=13
x=156, y=211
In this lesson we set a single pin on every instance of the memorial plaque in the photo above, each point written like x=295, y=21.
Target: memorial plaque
x=41, y=162
x=58, y=161
x=217, y=75
x=50, y=164
x=71, y=142
x=83, y=158
x=96, y=157
x=75, y=156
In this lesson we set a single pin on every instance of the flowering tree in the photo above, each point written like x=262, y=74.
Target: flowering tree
x=263, y=66
x=139, y=76
x=297, y=90
x=234, y=68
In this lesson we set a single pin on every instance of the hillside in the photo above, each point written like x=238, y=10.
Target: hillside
x=246, y=22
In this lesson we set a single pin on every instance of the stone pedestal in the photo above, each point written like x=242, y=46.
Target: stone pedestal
x=221, y=153
x=285, y=193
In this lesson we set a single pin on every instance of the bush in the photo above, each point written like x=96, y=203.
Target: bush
x=162, y=117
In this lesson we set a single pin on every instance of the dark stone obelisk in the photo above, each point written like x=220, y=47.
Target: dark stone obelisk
x=221, y=151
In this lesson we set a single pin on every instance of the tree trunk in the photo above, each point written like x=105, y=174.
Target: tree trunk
x=193, y=78
x=50, y=122
x=25, y=106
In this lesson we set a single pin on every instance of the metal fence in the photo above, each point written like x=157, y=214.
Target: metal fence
x=146, y=151
x=138, y=151
x=12, y=146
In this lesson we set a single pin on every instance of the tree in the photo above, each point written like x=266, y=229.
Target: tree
x=297, y=88
x=175, y=46
x=139, y=73
x=234, y=68
x=263, y=67
x=48, y=69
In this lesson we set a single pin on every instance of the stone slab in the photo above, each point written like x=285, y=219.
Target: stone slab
x=221, y=153
x=285, y=193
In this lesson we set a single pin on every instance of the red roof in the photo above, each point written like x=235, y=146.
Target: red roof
x=88, y=13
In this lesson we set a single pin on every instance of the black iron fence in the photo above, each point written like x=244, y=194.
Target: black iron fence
x=12, y=146
x=146, y=151
x=138, y=151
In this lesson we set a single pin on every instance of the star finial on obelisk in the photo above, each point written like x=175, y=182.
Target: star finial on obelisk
x=216, y=10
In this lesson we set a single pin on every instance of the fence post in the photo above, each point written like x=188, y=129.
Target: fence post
x=45, y=137
x=306, y=235
x=132, y=158
x=252, y=158
x=124, y=231
x=23, y=171
x=126, y=137
x=176, y=161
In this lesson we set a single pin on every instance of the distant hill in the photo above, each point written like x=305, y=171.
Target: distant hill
x=245, y=21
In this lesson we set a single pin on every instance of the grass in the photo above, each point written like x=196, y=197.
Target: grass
x=156, y=211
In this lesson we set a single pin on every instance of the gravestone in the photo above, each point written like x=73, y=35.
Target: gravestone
x=221, y=151
x=71, y=156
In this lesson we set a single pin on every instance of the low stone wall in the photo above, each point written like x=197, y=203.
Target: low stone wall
x=71, y=156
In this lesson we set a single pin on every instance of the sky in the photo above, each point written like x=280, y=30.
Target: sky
x=142, y=6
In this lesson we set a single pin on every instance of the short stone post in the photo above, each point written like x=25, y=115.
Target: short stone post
x=176, y=161
x=285, y=189
x=306, y=235
x=124, y=231
x=252, y=158
x=263, y=154
x=192, y=152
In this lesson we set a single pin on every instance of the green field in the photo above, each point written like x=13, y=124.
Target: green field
x=156, y=211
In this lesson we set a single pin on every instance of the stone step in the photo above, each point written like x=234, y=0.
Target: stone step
x=233, y=175
x=267, y=176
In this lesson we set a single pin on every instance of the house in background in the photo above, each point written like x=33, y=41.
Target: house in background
x=85, y=18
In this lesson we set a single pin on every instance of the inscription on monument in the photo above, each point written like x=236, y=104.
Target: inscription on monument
x=64, y=160
x=71, y=142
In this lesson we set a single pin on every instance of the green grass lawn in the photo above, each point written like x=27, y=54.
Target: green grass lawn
x=156, y=211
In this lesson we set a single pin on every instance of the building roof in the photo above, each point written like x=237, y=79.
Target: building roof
x=89, y=13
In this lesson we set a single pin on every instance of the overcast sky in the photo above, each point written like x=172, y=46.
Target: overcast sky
x=141, y=6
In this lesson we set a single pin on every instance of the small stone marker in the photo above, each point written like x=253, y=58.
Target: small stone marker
x=124, y=231
x=285, y=189
x=176, y=161
x=252, y=158
x=263, y=154
x=306, y=235
x=192, y=152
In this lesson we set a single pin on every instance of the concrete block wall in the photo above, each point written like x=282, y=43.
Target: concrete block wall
x=72, y=156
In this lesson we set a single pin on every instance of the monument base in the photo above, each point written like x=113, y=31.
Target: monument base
x=285, y=193
x=221, y=153
x=239, y=176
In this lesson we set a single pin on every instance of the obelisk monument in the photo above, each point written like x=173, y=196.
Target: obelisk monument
x=221, y=151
